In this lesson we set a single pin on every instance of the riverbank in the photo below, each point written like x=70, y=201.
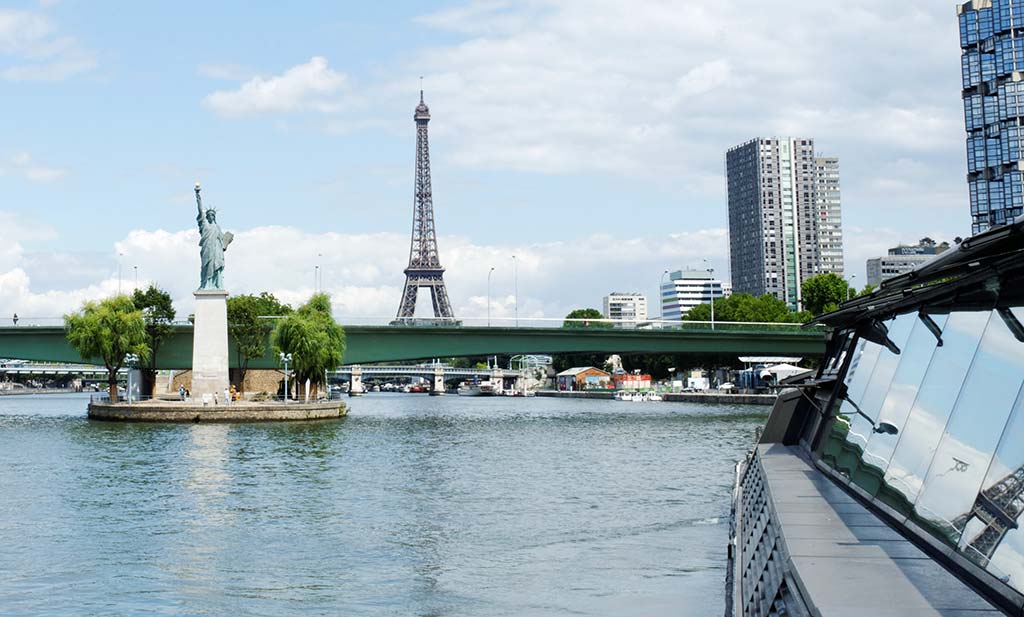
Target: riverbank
x=714, y=398
x=162, y=411
x=17, y=391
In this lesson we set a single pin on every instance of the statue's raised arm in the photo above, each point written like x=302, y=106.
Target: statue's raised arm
x=199, y=204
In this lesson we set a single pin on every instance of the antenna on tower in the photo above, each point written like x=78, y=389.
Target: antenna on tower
x=421, y=88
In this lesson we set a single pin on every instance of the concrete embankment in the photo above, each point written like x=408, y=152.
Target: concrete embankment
x=567, y=394
x=237, y=412
x=16, y=391
x=677, y=397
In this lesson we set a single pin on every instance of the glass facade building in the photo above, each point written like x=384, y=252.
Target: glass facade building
x=992, y=67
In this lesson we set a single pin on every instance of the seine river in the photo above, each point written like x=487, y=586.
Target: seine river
x=412, y=505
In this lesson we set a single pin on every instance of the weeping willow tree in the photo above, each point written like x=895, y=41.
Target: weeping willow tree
x=108, y=331
x=315, y=341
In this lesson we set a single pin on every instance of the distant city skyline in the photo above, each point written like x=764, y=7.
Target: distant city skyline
x=615, y=145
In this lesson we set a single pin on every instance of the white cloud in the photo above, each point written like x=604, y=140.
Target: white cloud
x=362, y=272
x=22, y=164
x=310, y=86
x=41, y=53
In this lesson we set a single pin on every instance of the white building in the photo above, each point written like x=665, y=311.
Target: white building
x=687, y=289
x=629, y=307
x=884, y=268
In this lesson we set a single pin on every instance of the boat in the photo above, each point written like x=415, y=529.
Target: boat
x=469, y=389
x=891, y=479
x=623, y=395
x=490, y=387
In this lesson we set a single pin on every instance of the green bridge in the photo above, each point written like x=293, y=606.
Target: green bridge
x=367, y=344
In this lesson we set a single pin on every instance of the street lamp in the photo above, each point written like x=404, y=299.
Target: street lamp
x=136, y=268
x=515, y=279
x=661, y=299
x=489, y=273
x=119, y=256
x=849, y=290
x=285, y=359
x=316, y=279
x=711, y=286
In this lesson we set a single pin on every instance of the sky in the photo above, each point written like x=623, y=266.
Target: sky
x=587, y=138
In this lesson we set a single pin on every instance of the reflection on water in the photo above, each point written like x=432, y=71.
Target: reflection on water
x=412, y=505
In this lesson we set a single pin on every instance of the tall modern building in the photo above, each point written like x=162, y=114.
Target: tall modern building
x=992, y=67
x=782, y=196
x=687, y=289
x=829, y=210
x=629, y=307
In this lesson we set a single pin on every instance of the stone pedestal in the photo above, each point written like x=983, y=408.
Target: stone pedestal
x=210, y=344
x=438, y=388
x=355, y=385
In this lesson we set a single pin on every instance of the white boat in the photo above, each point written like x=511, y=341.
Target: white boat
x=469, y=389
x=622, y=395
x=490, y=388
x=654, y=396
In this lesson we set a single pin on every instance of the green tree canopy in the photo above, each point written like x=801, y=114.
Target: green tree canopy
x=745, y=307
x=108, y=330
x=586, y=313
x=315, y=341
x=248, y=331
x=824, y=293
x=158, y=314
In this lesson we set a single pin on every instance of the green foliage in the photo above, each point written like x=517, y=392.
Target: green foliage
x=824, y=292
x=867, y=290
x=247, y=330
x=745, y=307
x=586, y=313
x=315, y=340
x=108, y=330
x=158, y=313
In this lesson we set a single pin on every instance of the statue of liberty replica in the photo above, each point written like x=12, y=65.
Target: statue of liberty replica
x=210, y=334
x=212, y=245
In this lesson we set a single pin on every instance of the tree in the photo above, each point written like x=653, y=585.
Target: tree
x=926, y=241
x=315, y=341
x=586, y=313
x=108, y=330
x=745, y=307
x=824, y=292
x=248, y=331
x=158, y=313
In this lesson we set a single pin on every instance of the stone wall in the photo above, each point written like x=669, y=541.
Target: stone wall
x=262, y=380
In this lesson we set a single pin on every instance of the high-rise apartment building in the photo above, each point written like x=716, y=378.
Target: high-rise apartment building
x=629, y=307
x=830, y=225
x=781, y=196
x=992, y=63
x=687, y=289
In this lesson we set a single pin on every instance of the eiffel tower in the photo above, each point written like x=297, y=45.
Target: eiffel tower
x=424, y=263
x=998, y=507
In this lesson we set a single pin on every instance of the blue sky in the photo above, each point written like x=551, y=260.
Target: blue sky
x=586, y=137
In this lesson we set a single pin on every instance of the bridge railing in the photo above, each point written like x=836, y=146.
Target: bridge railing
x=512, y=322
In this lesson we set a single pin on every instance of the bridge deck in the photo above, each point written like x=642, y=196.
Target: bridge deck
x=368, y=344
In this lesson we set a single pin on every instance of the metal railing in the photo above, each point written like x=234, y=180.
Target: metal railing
x=521, y=322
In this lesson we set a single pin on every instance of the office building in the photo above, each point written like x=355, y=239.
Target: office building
x=782, y=195
x=687, y=289
x=629, y=307
x=900, y=260
x=993, y=95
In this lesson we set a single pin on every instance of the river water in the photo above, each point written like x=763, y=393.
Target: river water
x=413, y=505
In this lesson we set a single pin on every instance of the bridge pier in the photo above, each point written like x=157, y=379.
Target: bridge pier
x=355, y=384
x=498, y=377
x=438, y=388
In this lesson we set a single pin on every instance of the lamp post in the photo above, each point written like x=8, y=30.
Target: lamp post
x=661, y=298
x=136, y=268
x=489, y=273
x=515, y=283
x=285, y=359
x=119, y=256
x=849, y=290
x=316, y=279
x=711, y=286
